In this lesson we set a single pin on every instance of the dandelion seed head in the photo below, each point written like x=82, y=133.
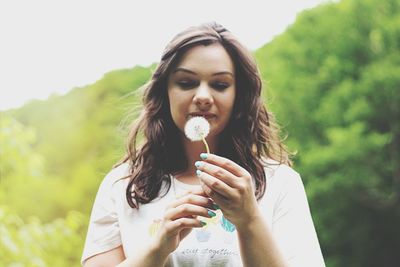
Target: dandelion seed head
x=196, y=128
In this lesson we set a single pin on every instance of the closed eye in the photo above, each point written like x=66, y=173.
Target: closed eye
x=187, y=84
x=220, y=86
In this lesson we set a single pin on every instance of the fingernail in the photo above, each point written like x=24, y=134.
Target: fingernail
x=215, y=206
x=198, y=172
x=203, y=155
x=198, y=164
x=203, y=223
x=211, y=213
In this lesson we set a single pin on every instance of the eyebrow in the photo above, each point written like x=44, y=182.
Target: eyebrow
x=192, y=72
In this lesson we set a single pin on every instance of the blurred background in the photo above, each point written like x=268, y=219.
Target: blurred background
x=332, y=77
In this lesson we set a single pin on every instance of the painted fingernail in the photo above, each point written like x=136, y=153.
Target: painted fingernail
x=198, y=172
x=211, y=213
x=203, y=223
x=198, y=164
x=203, y=155
x=215, y=206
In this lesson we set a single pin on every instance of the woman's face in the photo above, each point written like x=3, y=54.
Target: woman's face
x=203, y=84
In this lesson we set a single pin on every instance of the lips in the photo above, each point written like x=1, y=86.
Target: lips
x=206, y=115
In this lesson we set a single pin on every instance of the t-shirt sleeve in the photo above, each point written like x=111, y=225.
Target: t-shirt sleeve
x=103, y=230
x=293, y=226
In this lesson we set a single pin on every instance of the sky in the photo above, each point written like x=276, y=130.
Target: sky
x=53, y=46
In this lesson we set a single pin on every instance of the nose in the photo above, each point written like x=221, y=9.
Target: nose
x=203, y=97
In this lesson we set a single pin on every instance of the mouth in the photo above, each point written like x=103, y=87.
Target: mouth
x=206, y=115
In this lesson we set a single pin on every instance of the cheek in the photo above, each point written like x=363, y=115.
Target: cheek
x=177, y=109
x=171, y=104
x=230, y=101
x=173, y=109
x=175, y=105
x=172, y=99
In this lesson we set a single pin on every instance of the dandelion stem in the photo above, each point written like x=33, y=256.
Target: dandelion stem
x=205, y=143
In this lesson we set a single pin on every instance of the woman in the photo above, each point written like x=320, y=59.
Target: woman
x=170, y=204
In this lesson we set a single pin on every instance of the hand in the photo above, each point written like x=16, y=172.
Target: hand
x=180, y=218
x=230, y=186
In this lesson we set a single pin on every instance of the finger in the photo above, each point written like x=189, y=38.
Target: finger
x=215, y=184
x=198, y=191
x=187, y=210
x=173, y=227
x=219, y=201
x=218, y=172
x=225, y=163
x=198, y=200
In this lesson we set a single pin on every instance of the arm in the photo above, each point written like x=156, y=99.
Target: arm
x=179, y=219
x=231, y=187
x=257, y=245
x=108, y=258
x=292, y=240
x=149, y=257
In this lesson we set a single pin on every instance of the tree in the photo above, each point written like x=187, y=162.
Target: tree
x=334, y=81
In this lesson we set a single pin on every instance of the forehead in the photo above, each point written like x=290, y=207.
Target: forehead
x=213, y=58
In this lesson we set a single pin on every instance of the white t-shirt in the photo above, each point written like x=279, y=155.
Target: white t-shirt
x=284, y=206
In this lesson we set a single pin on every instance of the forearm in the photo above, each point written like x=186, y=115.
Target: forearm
x=148, y=257
x=257, y=245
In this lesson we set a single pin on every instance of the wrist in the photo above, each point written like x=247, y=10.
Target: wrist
x=149, y=256
x=156, y=251
x=252, y=223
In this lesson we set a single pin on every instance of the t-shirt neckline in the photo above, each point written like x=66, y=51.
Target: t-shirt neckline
x=184, y=185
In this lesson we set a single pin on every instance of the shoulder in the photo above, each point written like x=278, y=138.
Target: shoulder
x=116, y=176
x=118, y=172
x=275, y=170
x=110, y=190
x=281, y=176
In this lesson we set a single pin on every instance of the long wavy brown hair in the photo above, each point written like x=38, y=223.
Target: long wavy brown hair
x=250, y=137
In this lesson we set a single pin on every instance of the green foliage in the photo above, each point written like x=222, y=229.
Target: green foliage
x=22, y=169
x=80, y=136
x=333, y=80
x=33, y=243
x=54, y=154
